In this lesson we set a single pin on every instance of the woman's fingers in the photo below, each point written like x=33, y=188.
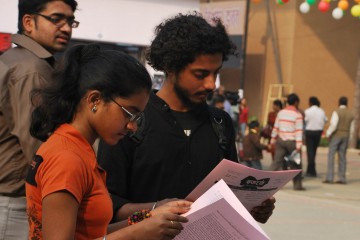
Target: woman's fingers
x=175, y=207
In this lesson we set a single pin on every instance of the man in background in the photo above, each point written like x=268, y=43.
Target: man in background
x=287, y=136
x=44, y=28
x=227, y=104
x=315, y=120
x=338, y=133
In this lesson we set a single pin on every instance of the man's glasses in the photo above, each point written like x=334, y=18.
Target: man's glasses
x=61, y=20
x=133, y=117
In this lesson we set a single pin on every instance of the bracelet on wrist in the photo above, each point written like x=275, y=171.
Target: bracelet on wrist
x=154, y=206
x=138, y=216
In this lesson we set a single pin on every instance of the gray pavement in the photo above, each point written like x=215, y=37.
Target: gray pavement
x=323, y=211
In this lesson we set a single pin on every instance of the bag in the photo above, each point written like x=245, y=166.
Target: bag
x=293, y=160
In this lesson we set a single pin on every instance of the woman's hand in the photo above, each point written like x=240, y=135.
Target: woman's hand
x=165, y=201
x=165, y=222
x=174, y=206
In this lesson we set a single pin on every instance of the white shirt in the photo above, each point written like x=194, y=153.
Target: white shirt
x=315, y=119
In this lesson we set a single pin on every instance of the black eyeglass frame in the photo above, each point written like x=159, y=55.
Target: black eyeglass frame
x=133, y=117
x=59, y=20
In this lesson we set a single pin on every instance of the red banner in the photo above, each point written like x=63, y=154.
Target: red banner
x=5, y=41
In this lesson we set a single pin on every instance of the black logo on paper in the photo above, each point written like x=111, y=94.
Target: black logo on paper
x=250, y=183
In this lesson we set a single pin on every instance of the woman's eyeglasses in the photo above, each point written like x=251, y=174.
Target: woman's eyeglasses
x=133, y=117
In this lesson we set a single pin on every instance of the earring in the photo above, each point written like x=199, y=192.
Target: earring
x=94, y=108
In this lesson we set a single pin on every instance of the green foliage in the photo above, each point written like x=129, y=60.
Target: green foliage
x=324, y=142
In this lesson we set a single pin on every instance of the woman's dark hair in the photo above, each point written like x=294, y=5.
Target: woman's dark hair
x=35, y=6
x=85, y=67
x=179, y=40
x=278, y=103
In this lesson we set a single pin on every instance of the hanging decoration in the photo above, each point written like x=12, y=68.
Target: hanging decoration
x=337, y=13
x=311, y=2
x=304, y=7
x=343, y=5
x=355, y=10
x=324, y=6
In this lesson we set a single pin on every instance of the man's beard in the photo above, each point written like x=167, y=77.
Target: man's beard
x=185, y=96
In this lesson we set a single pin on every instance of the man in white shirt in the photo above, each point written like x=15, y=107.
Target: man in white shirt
x=338, y=133
x=315, y=120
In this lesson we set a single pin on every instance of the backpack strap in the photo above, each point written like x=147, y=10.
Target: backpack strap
x=218, y=124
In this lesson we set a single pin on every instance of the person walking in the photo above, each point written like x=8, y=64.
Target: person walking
x=44, y=28
x=181, y=138
x=93, y=90
x=338, y=134
x=287, y=136
x=315, y=120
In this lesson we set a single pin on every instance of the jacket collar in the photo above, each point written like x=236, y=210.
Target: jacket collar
x=31, y=45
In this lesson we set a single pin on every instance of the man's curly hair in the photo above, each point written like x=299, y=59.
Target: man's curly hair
x=180, y=39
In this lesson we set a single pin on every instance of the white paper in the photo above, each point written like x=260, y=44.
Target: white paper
x=251, y=186
x=219, y=215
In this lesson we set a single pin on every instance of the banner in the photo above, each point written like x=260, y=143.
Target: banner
x=232, y=14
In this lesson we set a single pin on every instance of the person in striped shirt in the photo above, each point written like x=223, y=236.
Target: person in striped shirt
x=287, y=136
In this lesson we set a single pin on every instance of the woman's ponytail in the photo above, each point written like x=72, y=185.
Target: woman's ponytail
x=57, y=102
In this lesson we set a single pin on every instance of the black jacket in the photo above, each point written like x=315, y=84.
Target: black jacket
x=166, y=163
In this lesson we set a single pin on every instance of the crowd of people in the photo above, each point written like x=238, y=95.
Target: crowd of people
x=287, y=129
x=156, y=145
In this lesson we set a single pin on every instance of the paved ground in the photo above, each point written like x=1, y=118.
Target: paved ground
x=323, y=211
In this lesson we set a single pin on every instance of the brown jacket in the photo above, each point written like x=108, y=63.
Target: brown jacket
x=21, y=69
x=345, y=118
x=252, y=147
